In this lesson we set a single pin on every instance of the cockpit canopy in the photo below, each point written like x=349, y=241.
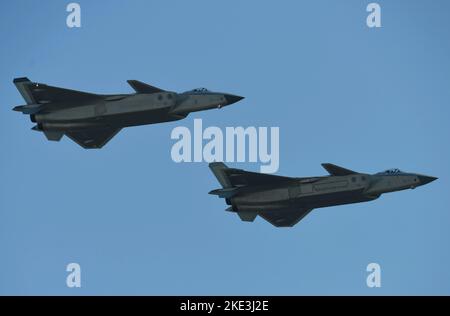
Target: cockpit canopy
x=391, y=171
x=198, y=90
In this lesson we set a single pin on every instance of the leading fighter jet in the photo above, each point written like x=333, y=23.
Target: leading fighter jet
x=284, y=201
x=91, y=120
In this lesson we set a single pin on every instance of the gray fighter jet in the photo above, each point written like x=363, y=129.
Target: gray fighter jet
x=284, y=201
x=91, y=120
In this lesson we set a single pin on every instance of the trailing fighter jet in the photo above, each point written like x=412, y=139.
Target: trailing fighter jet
x=284, y=201
x=91, y=120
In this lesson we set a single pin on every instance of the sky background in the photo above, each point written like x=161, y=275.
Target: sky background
x=138, y=223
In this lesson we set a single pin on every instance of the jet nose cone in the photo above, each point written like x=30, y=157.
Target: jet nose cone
x=232, y=98
x=426, y=179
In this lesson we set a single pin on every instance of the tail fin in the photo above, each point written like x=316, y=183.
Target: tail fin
x=22, y=84
x=228, y=190
x=218, y=168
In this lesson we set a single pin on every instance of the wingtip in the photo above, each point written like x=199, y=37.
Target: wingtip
x=21, y=79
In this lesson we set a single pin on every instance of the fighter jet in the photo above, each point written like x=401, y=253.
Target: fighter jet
x=91, y=120
x=284, y=201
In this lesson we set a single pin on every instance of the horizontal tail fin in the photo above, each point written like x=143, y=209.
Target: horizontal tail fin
x=225, y=193
x=28, y=109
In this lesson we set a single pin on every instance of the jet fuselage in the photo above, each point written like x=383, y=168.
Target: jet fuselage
x=128, y=110
x=322, y=191
x=283, y=201
x=92, y=120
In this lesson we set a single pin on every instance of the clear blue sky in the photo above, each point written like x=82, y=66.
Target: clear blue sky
x=137, y=223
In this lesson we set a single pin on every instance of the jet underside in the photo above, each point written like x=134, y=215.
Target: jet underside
x=266, y=200
x=103, y=115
